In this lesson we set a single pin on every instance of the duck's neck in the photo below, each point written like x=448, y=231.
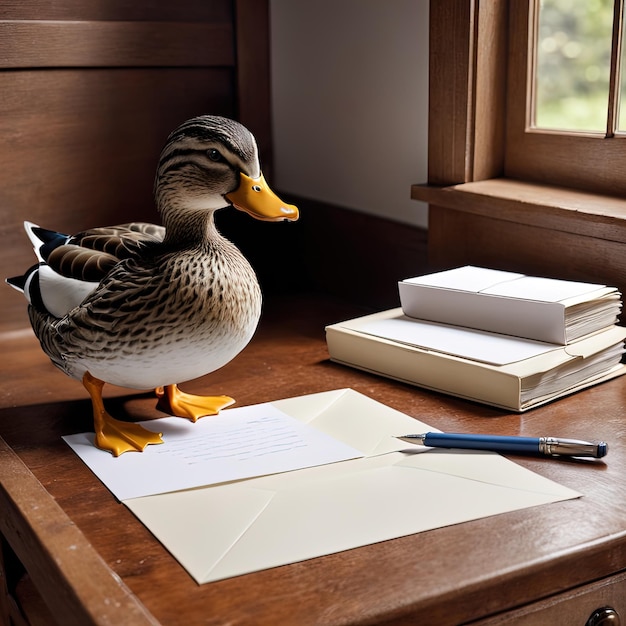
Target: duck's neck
x=191, y=228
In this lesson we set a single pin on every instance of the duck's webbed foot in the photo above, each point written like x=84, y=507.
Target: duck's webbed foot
x=113, y=435
x=117, y=436
x=176, y=402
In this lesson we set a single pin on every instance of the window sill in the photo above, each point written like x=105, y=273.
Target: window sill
x=555, y=208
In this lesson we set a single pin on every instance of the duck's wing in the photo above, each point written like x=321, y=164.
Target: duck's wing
x=92, y=254
x=121, y=241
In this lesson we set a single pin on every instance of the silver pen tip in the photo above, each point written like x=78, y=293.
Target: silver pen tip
x=414, y=439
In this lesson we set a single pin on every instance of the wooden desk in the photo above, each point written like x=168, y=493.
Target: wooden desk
x=93, y=562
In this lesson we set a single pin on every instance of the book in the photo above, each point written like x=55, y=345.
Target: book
x=508, y=372
x=545, y=309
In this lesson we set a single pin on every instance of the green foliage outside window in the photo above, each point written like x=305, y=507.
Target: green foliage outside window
x=573, y=65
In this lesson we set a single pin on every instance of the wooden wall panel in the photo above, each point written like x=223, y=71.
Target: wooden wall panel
x=253, y=75
x=141, y=10
x=358, y=257
x=113, y=44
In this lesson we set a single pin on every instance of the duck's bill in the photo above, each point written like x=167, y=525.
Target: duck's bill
x=255, y=197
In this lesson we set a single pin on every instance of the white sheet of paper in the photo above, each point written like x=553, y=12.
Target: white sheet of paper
x=464, y=342
x=542, y=289
x=238, y=443
x=508, y=284
x=467, y=278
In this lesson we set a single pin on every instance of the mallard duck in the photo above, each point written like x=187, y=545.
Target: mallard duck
x=146, y=306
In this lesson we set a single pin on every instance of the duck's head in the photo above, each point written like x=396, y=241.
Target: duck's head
x=210, y=162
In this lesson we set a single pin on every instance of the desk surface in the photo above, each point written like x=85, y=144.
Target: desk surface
x=452, y=575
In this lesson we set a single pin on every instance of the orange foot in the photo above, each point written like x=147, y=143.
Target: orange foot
x=114, y=435
x=118, y=437
x=176, y=402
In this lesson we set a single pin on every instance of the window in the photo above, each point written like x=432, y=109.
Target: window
x=564, y=124
x=503, y=191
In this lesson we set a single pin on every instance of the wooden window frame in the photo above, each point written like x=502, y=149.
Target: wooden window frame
x=480, y=212
x=591, y=161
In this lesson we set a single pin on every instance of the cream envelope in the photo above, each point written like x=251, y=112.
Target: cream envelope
x=231, y=529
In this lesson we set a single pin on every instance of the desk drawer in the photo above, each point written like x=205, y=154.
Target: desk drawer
x=572, y=608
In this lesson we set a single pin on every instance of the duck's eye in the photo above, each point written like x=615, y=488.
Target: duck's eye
x=214, y=155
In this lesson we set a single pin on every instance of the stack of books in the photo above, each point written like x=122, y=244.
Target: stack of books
x=500, y=338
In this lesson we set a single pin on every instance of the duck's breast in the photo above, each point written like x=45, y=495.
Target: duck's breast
x=174, y=321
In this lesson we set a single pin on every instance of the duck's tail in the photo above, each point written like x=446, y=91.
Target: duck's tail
x=28, y=284
x=45, y=289
x=44, y=240
x=18, y=282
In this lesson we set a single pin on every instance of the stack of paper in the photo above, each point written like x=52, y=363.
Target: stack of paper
x=450, y=350
x=545, y=309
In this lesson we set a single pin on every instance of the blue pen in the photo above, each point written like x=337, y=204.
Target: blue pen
x=549, y=446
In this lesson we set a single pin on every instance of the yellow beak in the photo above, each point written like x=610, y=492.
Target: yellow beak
x=256, y=198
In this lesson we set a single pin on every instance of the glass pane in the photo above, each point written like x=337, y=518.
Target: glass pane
x=573, y=61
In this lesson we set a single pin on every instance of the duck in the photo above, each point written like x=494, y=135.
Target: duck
x=151, y=306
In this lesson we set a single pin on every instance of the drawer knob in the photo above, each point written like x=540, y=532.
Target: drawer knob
x=606, y=616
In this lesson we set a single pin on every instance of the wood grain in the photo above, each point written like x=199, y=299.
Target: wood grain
x=115, y=44
x=253, y=75
x=85, y=590
x=568, y=608
x=467, y=92
x=118, y=10
x=451, y=105
x=489, y=92
x=546, y=206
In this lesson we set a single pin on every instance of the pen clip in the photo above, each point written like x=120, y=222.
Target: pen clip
x=572, y=447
